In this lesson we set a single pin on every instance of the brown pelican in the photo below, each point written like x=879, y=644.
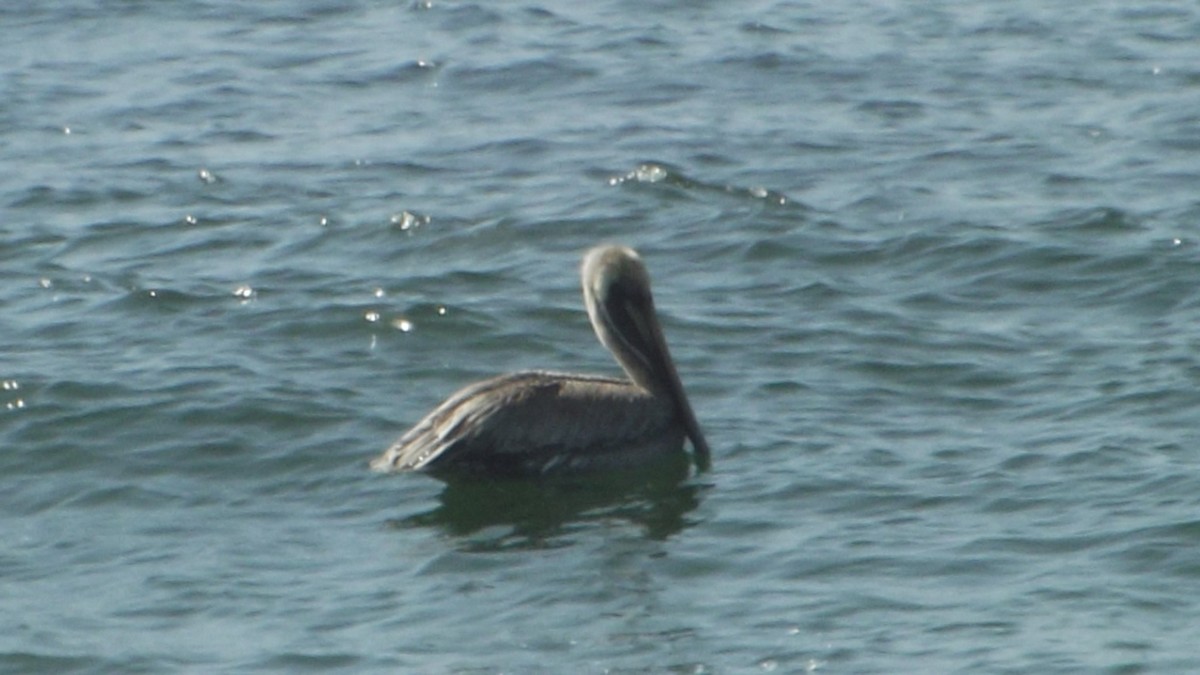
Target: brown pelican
x=533, y=423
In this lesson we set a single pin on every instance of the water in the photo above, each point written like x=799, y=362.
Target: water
x=928, y=271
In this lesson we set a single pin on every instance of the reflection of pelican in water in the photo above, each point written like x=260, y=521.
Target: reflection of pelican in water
x=538, y=422
x=507, y=515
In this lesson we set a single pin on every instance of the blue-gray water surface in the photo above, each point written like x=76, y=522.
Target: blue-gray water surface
x=929, y=271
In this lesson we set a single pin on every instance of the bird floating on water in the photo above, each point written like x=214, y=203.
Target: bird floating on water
x=538, y=422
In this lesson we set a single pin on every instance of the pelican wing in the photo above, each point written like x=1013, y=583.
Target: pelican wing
x=534, y=423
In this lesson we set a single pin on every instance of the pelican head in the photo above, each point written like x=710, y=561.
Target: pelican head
x=616, y=290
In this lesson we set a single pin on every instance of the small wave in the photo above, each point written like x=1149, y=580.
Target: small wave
x=660, y=173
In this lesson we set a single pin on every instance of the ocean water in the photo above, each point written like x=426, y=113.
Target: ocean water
x=929, y=272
